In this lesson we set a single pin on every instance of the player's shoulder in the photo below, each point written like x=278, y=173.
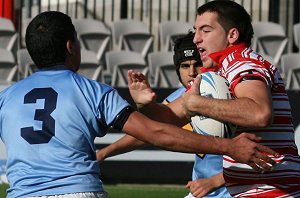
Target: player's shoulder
x=8, y=90
x=92, y=85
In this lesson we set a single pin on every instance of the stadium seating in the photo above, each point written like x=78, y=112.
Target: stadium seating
x=270, y=41
x=169, y=31
x=90, y=66
x=8, y=35
x=296, y=35
x=162, y=70
x=8, y=67
x=132, y=35
x=290, y=63
x=94, y=35
x=119, y=62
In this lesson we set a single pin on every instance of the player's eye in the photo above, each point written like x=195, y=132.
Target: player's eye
x=184, y=65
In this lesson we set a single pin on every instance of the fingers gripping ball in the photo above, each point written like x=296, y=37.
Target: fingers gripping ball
x=214, y=86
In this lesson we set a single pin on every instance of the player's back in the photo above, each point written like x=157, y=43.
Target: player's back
x=48, y=123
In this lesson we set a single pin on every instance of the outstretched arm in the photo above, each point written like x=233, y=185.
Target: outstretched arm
x=145, y=99
x=242, y=148
x=126, y=144
x=202, y=187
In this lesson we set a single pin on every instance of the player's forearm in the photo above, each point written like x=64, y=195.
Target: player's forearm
x=241, y=111
x=123, y=145
x=252, y=106
x=162, y=113
x=173, y=138
x=241, y=148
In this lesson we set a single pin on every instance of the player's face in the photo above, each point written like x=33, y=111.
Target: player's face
x=209, y=37
x=188, y=70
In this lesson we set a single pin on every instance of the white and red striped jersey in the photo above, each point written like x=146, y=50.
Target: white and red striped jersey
x=236, y=63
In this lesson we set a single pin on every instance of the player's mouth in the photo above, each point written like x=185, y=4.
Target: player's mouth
x=190, y=83
x=203, y=54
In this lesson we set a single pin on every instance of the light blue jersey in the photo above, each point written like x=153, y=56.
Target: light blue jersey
x=205, y=165
x=48, y=123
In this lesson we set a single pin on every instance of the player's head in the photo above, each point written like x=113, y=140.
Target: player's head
x=51, y=40
x=186, y=58
x=231, y=15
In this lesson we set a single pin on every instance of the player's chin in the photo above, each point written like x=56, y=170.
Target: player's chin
x=208, y=63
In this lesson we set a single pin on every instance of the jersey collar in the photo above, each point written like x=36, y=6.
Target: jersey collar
x=218, y=57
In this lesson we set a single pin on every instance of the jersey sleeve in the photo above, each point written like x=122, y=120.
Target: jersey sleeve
x=174, y=95
x=114, y=110
x=249, y=70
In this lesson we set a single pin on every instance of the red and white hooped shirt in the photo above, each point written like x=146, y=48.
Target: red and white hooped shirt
x=235, y=63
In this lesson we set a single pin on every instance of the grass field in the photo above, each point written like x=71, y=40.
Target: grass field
x=135, y=191
x=3, y=188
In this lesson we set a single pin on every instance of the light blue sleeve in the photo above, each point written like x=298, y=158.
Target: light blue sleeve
x=174, y=95
x=111, y=105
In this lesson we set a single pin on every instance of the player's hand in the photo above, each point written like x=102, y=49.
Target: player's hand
x=245, y=149
x=139, y=88
x=201, y=187
x=189, y=98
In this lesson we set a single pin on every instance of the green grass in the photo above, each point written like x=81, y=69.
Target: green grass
x=145, y=191
x=3, y=188
x=134, y=191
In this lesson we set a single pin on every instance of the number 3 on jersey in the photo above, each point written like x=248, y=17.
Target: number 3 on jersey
x=48, y=123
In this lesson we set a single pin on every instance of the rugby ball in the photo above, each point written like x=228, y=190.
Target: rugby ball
x=216, y=86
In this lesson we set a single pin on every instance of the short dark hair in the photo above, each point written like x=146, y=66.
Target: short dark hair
x=185, y=49
x=231, y=15
x=46, y=38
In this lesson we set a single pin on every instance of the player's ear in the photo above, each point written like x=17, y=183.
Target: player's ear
x=233, y=35
x=69, y=46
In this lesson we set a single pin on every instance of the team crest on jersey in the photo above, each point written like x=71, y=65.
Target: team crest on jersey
x=188, y=53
